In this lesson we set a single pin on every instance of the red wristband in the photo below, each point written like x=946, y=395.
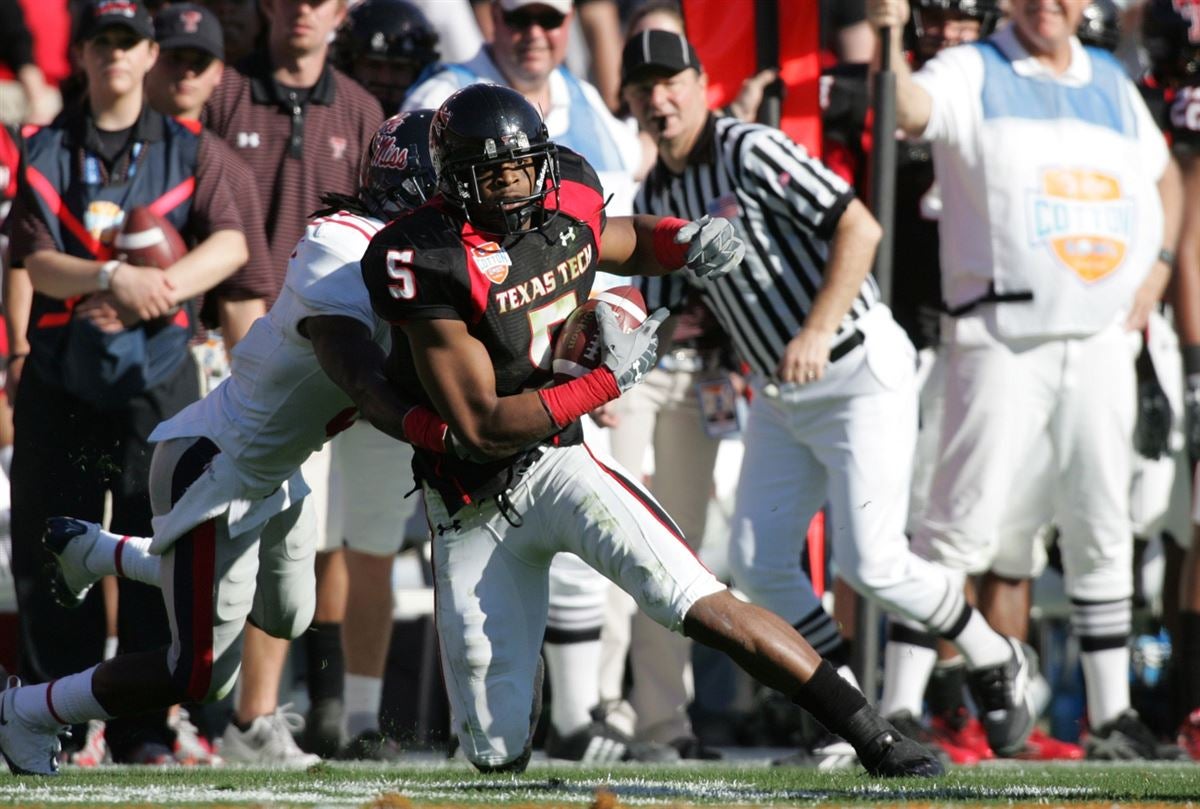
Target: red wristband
x=572, y=400
x=669, y=254
x=425, y=429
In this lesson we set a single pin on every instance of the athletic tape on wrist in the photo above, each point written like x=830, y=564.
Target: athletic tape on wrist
x=572, y=400
x=666, y=251
x=425, y=429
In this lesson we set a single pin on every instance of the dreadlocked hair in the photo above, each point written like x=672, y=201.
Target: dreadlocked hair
x=334, y=203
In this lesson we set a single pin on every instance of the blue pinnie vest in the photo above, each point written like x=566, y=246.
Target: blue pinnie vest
x=83, y=205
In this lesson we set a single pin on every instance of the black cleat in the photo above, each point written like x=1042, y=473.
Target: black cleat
x=1005, y=699
x=891, y=755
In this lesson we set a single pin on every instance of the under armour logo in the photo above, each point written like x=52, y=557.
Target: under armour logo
x=453, y=526
x=248, y=140
x=567, y=236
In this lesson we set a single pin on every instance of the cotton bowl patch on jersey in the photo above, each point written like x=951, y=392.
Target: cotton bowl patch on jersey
x=577, y=344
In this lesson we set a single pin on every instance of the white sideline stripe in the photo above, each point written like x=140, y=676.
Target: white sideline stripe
x=624, y=304
x=136, y=241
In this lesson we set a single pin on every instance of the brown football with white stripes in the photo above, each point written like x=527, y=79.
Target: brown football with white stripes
x=577, y=344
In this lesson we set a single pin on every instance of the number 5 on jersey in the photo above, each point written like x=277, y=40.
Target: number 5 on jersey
x=403, y=286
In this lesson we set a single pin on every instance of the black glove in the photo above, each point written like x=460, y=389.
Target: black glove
x=1151, y=436
x=1191, y=415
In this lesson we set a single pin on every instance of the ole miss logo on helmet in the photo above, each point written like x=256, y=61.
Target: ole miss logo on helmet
x=388, y=154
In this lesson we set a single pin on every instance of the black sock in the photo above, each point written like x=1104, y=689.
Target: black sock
x=1187, y=661
x=830, y=699
x=944, y=694
x=326, y=662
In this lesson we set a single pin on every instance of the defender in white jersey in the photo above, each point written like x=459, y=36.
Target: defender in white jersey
x=231, y=539
x=1055, y=180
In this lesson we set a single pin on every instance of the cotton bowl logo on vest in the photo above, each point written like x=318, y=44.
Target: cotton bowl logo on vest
x=103, y=219
x=1084, y=218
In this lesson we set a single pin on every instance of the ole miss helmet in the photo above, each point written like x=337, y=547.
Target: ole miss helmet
x=396, y=172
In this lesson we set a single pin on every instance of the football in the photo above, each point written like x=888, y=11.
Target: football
x=148, y=240
x=577, y=345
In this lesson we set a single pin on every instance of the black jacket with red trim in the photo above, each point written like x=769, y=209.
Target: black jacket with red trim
x=80, y=202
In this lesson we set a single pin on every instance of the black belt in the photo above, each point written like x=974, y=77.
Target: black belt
x=991, y=296
x=843, y=348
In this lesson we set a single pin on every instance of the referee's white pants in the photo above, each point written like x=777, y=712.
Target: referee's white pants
x=490, y=579
x=848, y=441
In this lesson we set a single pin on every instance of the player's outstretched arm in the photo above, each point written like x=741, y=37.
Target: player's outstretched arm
x=355, y=362
x=656, y=245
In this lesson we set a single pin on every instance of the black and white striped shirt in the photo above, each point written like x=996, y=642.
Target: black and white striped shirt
x=785, y=205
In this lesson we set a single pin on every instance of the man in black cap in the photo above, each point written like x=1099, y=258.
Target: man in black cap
x=191, y=60
x=92, y=385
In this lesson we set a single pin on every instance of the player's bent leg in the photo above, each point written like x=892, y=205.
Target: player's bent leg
x=285, y=595
x=491, y=591
x=771, y=651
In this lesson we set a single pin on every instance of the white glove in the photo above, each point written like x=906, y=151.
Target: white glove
x=714, y=248
x=629, y=355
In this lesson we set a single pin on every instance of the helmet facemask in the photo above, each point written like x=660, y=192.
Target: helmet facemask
x=460, y=184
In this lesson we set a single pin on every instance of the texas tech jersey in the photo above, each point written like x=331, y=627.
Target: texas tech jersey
x=278, y=406
x=511, y=294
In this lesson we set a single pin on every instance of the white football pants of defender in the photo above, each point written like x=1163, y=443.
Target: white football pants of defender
x=662, y=410
x=1005, y=401
x=846, y=440
x=213, y=582
x=491, y=583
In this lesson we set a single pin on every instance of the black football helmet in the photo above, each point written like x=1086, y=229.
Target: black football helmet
x=485, y=125
x=1100, y=25
x=384, y=45
x=920, y=39
x=396, y=174
x=1171, y=33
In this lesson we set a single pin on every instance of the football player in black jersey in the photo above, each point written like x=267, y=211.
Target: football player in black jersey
x=474, y=283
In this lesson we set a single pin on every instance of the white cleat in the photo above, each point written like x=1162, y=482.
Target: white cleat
x=72, y=542
x=28, y=749
x=268, y=742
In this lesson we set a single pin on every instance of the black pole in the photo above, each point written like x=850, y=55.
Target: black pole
x=883, y=204
x=883, y=162
x=766, y=49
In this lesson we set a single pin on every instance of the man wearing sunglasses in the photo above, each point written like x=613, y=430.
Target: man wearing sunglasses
x=526, y=54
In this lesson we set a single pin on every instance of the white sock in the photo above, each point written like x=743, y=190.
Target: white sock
x=138, y=564
x=111, y=644
x=981, y=645
x=362, y=698
x=574, y=673
x=66, y=701
x=1106, y=678
x=6, y=454
x=906, y=670
x=847, y=674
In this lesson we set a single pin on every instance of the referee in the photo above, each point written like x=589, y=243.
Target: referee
x=833, y=419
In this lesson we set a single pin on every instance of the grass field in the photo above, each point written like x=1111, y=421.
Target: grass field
x=434, y=783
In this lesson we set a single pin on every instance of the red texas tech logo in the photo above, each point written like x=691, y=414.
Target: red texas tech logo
x=191, y=21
